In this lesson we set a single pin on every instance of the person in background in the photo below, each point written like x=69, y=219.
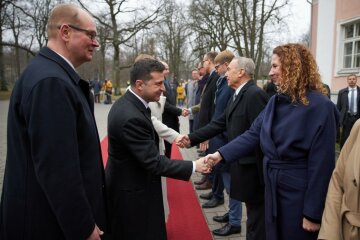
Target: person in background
x=54, y=174
x=108, y=91
x=341, y=220
x=191, y=95
x=270, y=88
x=297, y=133
x=348, y=104
x=180, y=94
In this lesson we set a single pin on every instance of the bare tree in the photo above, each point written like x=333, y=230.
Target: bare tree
x=243, y=24
x=172, y=36
x=122, y=31
x=3, y=82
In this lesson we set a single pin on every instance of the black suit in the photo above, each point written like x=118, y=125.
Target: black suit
x=246, y=177
x=54, y=176
x=134, y=170
x=207, y=106
x=346, y=119
x=170, y=114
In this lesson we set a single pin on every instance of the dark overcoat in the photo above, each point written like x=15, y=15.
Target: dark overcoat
x=298, y=143
x=134, y=170
x=54, y=176
x=246, y=173
x=207, y=100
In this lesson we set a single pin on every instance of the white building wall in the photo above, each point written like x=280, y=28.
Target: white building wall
x=325, y=39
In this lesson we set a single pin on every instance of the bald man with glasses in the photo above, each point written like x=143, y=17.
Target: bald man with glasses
x=54, y=174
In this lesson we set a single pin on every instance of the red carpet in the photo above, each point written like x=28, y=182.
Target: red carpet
x=186, y=220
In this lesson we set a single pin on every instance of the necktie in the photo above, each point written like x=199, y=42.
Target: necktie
x=352, y=101
x=148, y=112
x=234, y=97
x=218, y=82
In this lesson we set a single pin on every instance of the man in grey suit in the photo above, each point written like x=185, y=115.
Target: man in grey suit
x=134, y=169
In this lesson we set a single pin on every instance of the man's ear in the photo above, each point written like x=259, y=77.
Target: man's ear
x=139, y=84
x=65, y=33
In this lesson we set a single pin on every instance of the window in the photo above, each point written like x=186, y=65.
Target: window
x=351, y=45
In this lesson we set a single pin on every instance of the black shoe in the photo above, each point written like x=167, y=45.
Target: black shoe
x=201, y=181
x=206, y=196
x=204, y=186
x=227, y=230
x=222, y=219
x=214, y=202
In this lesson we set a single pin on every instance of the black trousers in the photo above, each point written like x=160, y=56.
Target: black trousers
x=255, y=224
x=347, y=126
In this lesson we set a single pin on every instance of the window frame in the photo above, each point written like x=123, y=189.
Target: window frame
x=341, y=40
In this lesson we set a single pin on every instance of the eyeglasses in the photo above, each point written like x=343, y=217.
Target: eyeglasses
x=218, y=65
x=91, y=34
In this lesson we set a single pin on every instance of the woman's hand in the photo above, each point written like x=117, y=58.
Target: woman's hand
x=310, y=226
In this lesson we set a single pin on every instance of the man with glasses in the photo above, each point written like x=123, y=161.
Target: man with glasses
x=54, y=174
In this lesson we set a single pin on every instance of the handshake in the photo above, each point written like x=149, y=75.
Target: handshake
x=204, y=164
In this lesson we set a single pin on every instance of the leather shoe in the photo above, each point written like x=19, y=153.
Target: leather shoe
x=201, y=181
x=206, y=196
x=227, y=230
x=204, y=186
x=214, y=202
x=222, y=219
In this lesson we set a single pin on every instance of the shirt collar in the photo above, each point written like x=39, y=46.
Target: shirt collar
x=66, y=60
x=239, y=88
x=142, y=100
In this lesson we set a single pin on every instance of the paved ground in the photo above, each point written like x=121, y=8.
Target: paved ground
x=101, y=112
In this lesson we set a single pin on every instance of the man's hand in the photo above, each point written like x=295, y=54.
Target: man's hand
x=310, y=226
x=202, y=166
x=183, y=141
x=95, y=235
x=213, y=159
x=204, y=145
x=185, y=112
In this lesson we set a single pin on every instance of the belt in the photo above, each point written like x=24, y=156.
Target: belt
x=276, y=166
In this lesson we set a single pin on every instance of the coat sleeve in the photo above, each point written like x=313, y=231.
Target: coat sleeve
x=164, y=132
x=331, y=225
x=244, y=143
x=51, y=115
x=138, y=138
x=172, y=109
x=321, y=163
x=214, y=128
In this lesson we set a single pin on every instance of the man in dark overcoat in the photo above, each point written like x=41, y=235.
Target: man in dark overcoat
x=54, y=176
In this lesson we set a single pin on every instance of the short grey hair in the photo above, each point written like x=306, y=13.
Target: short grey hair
x=247, y=64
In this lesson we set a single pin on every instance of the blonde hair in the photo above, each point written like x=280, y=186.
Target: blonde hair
x=299, y=72
x=143, y=56
x=224, y=56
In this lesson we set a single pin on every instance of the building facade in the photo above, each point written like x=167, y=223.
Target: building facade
x=335, y=40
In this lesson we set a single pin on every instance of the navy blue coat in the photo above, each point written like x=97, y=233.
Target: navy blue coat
x=222, y=95
x=298, y=143
x=54, y=176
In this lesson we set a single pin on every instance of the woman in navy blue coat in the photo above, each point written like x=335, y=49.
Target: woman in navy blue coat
x=297, y=132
